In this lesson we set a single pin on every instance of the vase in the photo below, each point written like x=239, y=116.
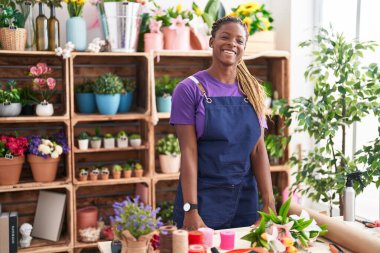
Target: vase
x=135, y=142
x=170, y=163
x=107, y=104
x=164, y=103
x=125, y=102
x=53, y=30
x=176, y=39
x=44, y=109
x=10, y=169
x=76, y=32
x=43, y=170
x=153, y=41
x=86, y=102
x=132, y=245
x=41, y=30
x=83, y=144
x=10, y=110
x=87, y=217
x=30, y=27
x=122, y=142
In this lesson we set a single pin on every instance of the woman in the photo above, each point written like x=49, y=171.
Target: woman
x=216, y=113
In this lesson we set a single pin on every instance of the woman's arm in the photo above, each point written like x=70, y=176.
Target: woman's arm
x=189, y=174
x=261, y=169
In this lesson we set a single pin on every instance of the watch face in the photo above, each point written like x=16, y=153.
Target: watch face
x=186, y=207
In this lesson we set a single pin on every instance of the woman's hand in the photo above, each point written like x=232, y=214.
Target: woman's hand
x=193, y=221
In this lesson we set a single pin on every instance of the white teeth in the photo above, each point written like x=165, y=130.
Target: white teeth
x=229, y=52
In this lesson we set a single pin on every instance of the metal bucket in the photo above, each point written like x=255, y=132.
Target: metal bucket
x=123, y=25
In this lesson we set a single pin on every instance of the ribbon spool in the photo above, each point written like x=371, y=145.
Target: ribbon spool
x=180, y=241
x=195, y=237
x=196, y=248
x=207, y=236
x=166, y=238
x=227, y=239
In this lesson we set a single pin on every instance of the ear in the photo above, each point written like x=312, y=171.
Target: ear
x=211, y=41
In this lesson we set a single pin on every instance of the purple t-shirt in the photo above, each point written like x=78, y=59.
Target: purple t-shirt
x=187, y=107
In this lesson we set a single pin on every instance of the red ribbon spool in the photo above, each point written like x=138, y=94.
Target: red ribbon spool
x=195, y=237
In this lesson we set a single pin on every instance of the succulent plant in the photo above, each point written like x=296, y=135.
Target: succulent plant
x=108, y=84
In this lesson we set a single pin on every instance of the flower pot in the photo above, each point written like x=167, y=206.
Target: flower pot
x=10, y=170
x=153, y=41
x=116, y=174
x=170, y=163
x=43, y=170
x=83, y=177
x=109, y=142
x=139, y=173
x=96, y=143
x=164, y=104
x=83, y=144
x=13, y=39
x=132, y=245
x=10, y=110
x=87, y=217
x=176, y=39
x=86, y=102
x=107, y=104
x=127, y=173
x=122, y=142
x=44, y=109
x=27, y=110
x=76, y=32
x=94, y=177
x=104, y=176
x=125, y=102
x=135, y=142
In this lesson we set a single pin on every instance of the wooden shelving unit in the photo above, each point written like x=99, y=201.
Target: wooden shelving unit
x=270, y=66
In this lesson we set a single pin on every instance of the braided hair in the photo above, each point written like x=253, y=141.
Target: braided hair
x=248, y=84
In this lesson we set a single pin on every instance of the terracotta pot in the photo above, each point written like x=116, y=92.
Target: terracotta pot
x=10, y=170
x=177, y=39
x=83, y=178
x=104, y=176
x=132, y=245
x=139, y=173
x=87, y=217
x=153, y=41
x=127, y=173
x=94, y=177
x=43, y=170
x=116, y=174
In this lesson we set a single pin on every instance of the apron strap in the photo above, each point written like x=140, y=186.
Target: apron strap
x=201, y=88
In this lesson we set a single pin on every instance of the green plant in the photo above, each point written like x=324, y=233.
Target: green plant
x=121, y=134
x=10, y=16
x=105, y=171
x=166, y=211
x=83, y=136
x=75, y=8
x=345, y=91
x=129, y=86
x=276, y=145
x=97, y=135
x=10, y=94
x=213, y=11
x=127, y=166
x=108, y=84
x=268, y=89
x=169, y=145
x=86, y=87
x=138, y=166
x=83, y=172
x=180, y=16
x=117, y=167
x=165, y=85
x=135, y=137
x=27, y=96
x=95, y=171
x=108, y=136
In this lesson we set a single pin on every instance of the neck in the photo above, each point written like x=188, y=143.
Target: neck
x=223, y=73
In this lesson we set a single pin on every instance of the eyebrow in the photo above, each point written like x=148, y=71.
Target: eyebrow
x=241, y=36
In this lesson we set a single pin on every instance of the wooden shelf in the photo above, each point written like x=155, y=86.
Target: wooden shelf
x=35, y=186
x=162, y=176
x=37, y=53
x=99, y=150
x=32, y=119
x=111, y=181
x=116, y=117
x=40, y=245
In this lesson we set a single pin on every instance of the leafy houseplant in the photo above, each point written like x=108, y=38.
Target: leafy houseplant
x=166, y=211
x=10, y=100
x=116, y=171
x=213, y=11
x=28, y=99
x=109, y=141
x=83, y=174
x=12, y=32
x=275, y=145
x=164, y=90
x=345, y=91
x=127, y=170
x=107, y=91
x=135, y=140
x=122, y=139
x=83, y=140
x=169, y=154
x=96, y=140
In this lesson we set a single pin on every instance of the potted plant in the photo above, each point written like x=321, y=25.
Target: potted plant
x=134, y=235
x=104, y=173
x=28, y=100
x=107, y=91
x=164, y=89
x=169, y=154
x=126, y=96
x=85, y=97
x=138, y=168
x=83, y=174
x=12, y=31
x=116, y=171
x=83, y=140
x=12, y=158
x=135, y=140
x=10, y=100
x=153, y=37
x=109, y=141
x=44, y=155
x=268, y=89
x=96, y=140
x=76, y=28
x=275, y=145
x=122, y=139
x=94, y=174
x=127, y=170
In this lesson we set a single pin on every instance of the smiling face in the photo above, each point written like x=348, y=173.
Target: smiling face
x=228, y=43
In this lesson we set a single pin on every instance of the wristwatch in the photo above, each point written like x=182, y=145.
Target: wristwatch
x=188, y=206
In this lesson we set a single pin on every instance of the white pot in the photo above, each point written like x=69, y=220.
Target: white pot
x=83, y=144
x=135, y=142
x=122, y=142
x=10, y=110
x=109, y=142
x=44, y=109
x=170, y=163
x=96, y=143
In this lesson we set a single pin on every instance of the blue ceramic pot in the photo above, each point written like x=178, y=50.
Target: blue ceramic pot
x=164, y=104
x=126, y=100
x=107, y=104
x=86, y=102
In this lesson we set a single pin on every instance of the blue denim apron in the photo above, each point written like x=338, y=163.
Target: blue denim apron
x=227, y=189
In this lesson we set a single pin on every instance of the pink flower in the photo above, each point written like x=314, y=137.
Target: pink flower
x=51, y=83
x=42, y=68
x=177, y=23
x=155, y=26
x=34, y=71
x=158, y=12
x=284, y=230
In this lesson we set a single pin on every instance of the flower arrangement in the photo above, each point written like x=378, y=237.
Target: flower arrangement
x=10, y=94
x=139, y=219
x=75, y=7
x=213, y=11
x=12, y=146
x=66, y=51
x=280, y=233
x=254, y=15
x=42, y=84
x=175, y=18
x=46, y=147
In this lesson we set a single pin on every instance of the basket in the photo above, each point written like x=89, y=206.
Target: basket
x=13, y=39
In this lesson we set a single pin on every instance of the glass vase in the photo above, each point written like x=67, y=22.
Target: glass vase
x=41, y=29
x=29, y=26
x=53, y=30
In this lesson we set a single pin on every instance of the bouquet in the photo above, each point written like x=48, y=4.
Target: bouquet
x=42, y=83
x=46, y=147
x=254, y=15
x=12, y=146
x=75, y=7
x=175, y=18
x=280, y=233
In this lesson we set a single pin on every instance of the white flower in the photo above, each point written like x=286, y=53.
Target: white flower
x=47, y=142
x=44, y=149
x=58, y=149
x=313, y=227
x=274, y=243
x=58, y=51
x=70, y=46
x=66, y=53
x=54, y=155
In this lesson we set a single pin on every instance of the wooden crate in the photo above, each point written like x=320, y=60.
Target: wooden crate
x=164, y=189
x=260, y=41
x=25, y=203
